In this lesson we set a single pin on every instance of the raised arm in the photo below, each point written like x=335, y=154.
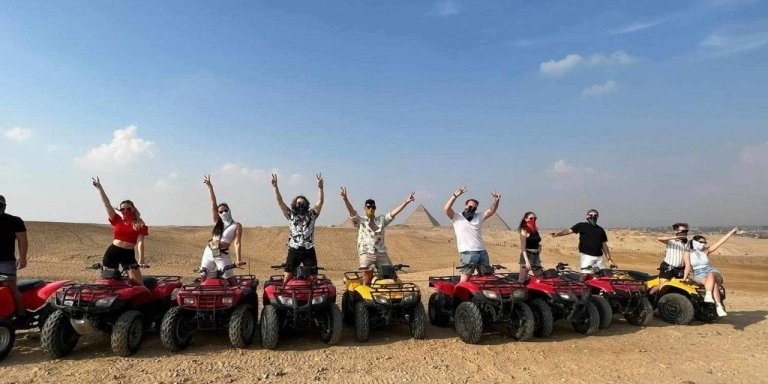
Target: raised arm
x=320, y=194
x=666, y=239
x=104, y=199
x=448, y=208
x=279, y=198
x=402, y=206
x=494, y=205
x=212, y=195
x=722, y=240
x=345, y=197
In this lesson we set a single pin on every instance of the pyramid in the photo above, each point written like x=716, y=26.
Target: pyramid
x=496, y=223
x=421, y=218
x=348, y=223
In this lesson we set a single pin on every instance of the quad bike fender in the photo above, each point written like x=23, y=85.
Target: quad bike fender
x=679, y=286
x=136, y=295
x=363, y=292
x=443, y=287
x=464, y=292
x=598, y=286
x=269, y=293
x=7, y=306
x=41, y=296
x=352, y=284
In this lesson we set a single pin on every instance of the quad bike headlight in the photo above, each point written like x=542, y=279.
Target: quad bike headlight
x=188, y=301
x=227, y=300
x=285, y=300
x=520, y=294
x=105, y=302
x=381, y=299
x=318, y=299
x=566, y=296
x=408, y=298
x=490, y=295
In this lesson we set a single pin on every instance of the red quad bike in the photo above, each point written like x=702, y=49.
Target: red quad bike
x=621, y=295
x=486, y=299
x=554, y=297
x=112, y=305
x=35, y=294
x=304, y=303
x=212, y=304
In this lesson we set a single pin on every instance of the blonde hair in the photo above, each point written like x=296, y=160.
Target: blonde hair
x=137, y=221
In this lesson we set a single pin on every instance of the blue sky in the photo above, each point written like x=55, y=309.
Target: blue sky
x=652, y=112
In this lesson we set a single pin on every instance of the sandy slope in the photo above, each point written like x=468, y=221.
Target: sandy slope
x=622, y=353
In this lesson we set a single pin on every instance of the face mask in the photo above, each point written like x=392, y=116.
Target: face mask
x=370, y=213
x=302, y=207
x=469, y=213
x=592, y=220
x=698, y=246
x=128, y=215
x=531, y=225
x=226, y=217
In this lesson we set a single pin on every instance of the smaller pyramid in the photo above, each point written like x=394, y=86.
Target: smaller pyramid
x=496, y=223
x=421, y=218
x=348, y=223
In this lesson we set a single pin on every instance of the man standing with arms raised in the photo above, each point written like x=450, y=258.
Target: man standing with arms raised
x=469, y=230
x=593, y=244
x=12, y=230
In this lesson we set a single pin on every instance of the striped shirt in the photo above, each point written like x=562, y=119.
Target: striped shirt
x=674, y=256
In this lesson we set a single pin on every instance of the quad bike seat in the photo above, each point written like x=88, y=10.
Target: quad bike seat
x=386, y=272
x=26, y=285
x=549, y=273
x=641, y=276
x=150, y=282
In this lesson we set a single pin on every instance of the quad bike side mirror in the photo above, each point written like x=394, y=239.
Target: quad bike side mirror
x=561, y=266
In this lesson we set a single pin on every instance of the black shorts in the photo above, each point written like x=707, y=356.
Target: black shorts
x=299, y=256
x=667, y=272
x=116, y=256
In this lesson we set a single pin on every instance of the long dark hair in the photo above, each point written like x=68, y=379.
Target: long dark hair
x=295, y=199
x=218, y=228
x=522, y=222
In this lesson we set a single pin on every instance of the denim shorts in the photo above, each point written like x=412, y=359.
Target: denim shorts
x=473, y=257
x=534, y=256
x=8, y=268
x=701, y=273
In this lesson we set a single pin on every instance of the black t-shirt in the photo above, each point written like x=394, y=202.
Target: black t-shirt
x=9, y=226
x=591, y=238
x=533, y=240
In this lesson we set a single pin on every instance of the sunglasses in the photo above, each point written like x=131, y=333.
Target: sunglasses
x=702, y=241
x=593, y=216
x=224, y=211
x=123, y=209
x=531, y=218
x=370, y=207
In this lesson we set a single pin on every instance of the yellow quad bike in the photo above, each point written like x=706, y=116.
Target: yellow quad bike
x=679, y=301
x=386, y=301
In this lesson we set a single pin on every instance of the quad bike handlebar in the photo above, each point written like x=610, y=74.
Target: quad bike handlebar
x=282, y=266
x=99, y=266
x=221, y=271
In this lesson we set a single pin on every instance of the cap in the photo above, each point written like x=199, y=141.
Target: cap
x=370, y=202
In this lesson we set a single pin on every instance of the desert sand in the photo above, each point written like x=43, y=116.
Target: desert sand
x=733, y=350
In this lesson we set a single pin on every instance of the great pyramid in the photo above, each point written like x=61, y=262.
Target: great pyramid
x=421, y=218
x=347, y=223
x=496, y=223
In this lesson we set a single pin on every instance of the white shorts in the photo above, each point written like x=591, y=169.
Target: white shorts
x=368, y=260
x=213, y=263
x=588, y=262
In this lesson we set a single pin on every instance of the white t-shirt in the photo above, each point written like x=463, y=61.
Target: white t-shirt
x=469, y=235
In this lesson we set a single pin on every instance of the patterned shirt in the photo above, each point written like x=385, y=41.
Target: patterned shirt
x=302, y=228
x=368, y=240
x=674, y=255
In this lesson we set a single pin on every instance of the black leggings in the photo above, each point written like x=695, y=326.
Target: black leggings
x=116, y=256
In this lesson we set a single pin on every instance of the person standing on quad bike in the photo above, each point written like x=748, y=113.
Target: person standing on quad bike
x=12, y=230
x=128, y=232
x=469, y=230
x=530, y=245
x=593, y=244
x=371, y=249
x=697, y=261
x=673, y=264
x=226, y=234
x=301, y=223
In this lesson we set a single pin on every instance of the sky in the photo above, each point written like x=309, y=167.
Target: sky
x=651, y=112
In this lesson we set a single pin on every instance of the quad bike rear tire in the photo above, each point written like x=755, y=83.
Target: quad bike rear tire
x=58, y=338
x=332, y=334
x=675, y=308
x=270, y=327
x=523, y=323
x=242, y=326
x=7, y=338
x=437, y=317
x=362, y=322
x=127, y=333
x=348, y=308
x=544, y=321
x=604, y=309
x=642, y=315
x=418, y=322
x=589, y=321
x=468, y=322
x=172, y=332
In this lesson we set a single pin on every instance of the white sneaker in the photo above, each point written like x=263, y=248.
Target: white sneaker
x=721, y=311
x=708, y=298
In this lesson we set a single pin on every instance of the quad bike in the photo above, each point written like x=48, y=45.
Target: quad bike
x=306, y=302
x=386, y=301
x=35, y=294
x=212, y=304
x=111, y=305
x=554, y=297
x=485, y=299
x=679, y=301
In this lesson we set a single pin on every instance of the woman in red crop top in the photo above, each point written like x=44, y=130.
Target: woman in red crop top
x=128, y=232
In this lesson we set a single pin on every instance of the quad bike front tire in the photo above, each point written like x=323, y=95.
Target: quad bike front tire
x=642, y=314
x=348, y=308
x=172, y=333
x=242, y=326
x=362, y=322
x=333, y=326
x=7, y=338
x=270, y=327
x=675, y=308
x=604, y=309
x=523, y=323
x=58, y=338
x=437, y=317
x=706, y=313
x=544, y=321
x=468, y=322
x=418, y=322
x=127, y=333
x=589, y=321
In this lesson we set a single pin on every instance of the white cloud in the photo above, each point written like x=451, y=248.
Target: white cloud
x=445, y=8
x=637, y=26
x=610, y=86
x=561, y=167
x=168, y=183
x=564, y=175
x=723, y=44
x=124, y=149
x=17, y=134
x=557, y=68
